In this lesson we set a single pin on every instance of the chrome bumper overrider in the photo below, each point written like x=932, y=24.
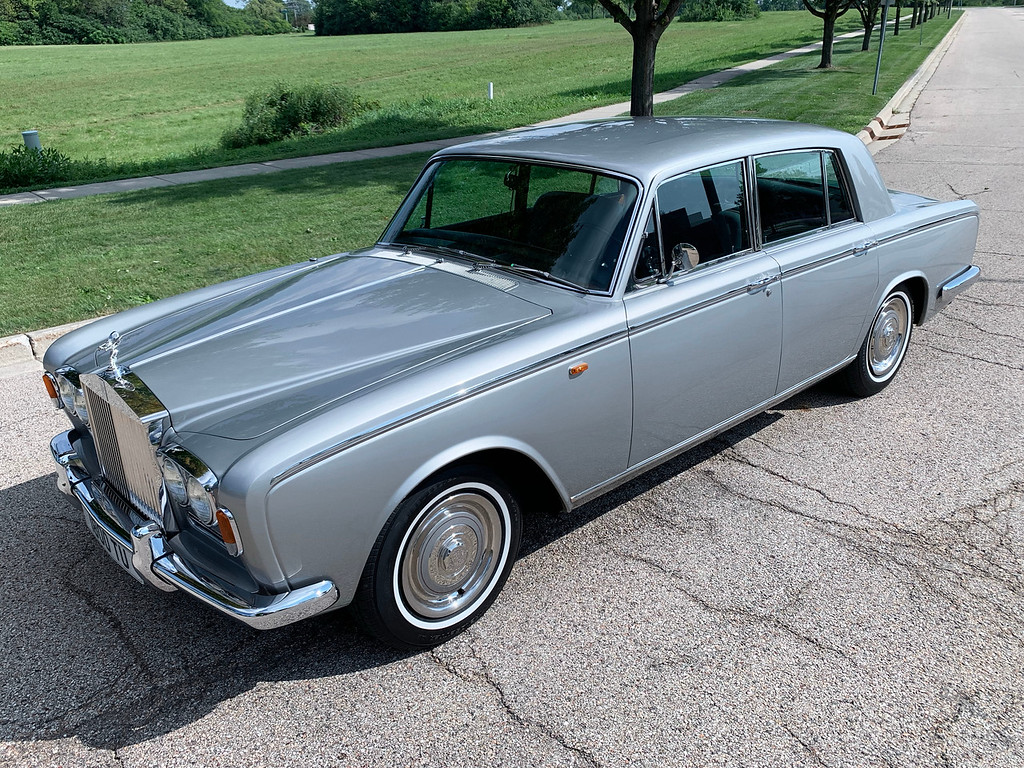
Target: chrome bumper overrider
x=164, y=569
x=956, y=285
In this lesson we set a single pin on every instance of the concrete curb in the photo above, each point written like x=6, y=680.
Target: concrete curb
x=894, y=119
x=22, y=348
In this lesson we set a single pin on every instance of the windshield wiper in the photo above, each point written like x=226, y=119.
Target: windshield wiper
x=446, y=250
x=534, y=272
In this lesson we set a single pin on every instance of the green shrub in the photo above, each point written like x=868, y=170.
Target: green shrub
x=283, y=111
x=10, y=33
x=24, y=167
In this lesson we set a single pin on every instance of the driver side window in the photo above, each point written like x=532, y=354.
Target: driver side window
x=704, y=214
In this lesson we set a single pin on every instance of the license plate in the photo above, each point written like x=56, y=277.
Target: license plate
x=117, y=552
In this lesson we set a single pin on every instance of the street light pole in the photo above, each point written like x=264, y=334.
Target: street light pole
x=881, y=43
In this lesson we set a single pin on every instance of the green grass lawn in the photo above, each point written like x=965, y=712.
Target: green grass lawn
x=149, y=102
x=839, y=97
x=75, y=259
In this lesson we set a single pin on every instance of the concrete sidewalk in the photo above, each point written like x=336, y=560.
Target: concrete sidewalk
x=713, y=80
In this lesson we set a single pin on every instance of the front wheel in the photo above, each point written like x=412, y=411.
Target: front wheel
x=441, y=559
x=882, y=352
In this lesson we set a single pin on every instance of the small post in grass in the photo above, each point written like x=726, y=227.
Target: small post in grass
x=490, y=91
x=31, y=139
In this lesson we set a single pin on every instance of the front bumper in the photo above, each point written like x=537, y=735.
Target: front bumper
x=143, y=551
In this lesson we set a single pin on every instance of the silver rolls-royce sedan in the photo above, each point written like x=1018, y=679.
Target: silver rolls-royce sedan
x=550, y=313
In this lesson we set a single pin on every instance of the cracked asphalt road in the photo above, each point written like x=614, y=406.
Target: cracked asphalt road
x=835, y=583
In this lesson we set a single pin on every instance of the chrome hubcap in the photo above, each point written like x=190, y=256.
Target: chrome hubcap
x=888, y=337
x=451, y=554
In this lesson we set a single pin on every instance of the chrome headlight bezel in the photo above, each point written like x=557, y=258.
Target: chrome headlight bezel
x=190, y=484
x=72, y=397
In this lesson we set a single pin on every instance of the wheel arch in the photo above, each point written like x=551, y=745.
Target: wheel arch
x=916, y=286
x=527, y=475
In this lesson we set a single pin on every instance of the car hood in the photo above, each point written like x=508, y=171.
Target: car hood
x=242, y=364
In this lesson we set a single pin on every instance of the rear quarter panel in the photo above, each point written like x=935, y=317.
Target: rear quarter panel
x=924, y=239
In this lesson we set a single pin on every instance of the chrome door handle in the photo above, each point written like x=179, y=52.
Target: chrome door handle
x=859, y=250
x=762, y=285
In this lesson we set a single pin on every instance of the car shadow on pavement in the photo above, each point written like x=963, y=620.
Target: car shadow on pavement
x=541, y=530
x=91, y=654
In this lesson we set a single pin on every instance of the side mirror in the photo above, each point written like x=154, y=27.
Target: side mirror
x=684, y=257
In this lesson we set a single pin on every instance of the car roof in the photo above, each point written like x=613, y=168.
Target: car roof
x=643, y=147
x=652, y=147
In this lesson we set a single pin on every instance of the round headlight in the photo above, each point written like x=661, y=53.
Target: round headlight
x=174, y=482
x=200, y=500
x=67, y=393
x=73, y=399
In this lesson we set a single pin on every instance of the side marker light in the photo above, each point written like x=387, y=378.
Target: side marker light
x=576, y=370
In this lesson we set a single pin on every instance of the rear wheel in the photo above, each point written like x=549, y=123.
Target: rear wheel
x=441, y=559
x=882, y=352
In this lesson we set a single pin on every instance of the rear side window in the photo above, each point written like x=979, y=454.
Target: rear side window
x=791, y=194
x=839, y=206
x=800, y=192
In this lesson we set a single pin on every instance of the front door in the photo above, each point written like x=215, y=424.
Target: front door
x=705, y=344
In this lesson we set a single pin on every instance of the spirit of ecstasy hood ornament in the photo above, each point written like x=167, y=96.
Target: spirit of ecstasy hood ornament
x=110, y=345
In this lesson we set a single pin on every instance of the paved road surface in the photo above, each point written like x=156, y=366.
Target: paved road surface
x=836, y=583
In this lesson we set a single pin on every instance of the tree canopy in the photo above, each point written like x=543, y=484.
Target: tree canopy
x=58, y=22
x=357, y=17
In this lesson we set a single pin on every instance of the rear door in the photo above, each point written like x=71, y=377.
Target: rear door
x=829, y=265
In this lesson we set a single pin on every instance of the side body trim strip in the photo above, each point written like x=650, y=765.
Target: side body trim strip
x=639, y=469
x=479, y=389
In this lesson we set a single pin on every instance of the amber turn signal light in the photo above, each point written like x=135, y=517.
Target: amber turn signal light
x=51, y=389
x=229, y=532
x=226, y=530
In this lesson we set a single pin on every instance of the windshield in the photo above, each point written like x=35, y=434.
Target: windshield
x=564, y=224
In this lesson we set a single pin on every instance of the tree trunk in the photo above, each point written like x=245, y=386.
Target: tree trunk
x=896, y=22
x=868, y=29
x=826, y=43
x=913, y=15
x=641, y=101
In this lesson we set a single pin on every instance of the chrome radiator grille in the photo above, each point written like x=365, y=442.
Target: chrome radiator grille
x=122, y=444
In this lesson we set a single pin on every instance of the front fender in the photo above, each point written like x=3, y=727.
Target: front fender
x=464, y=452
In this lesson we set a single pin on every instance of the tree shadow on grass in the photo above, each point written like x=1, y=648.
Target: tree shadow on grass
x=96, y=656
